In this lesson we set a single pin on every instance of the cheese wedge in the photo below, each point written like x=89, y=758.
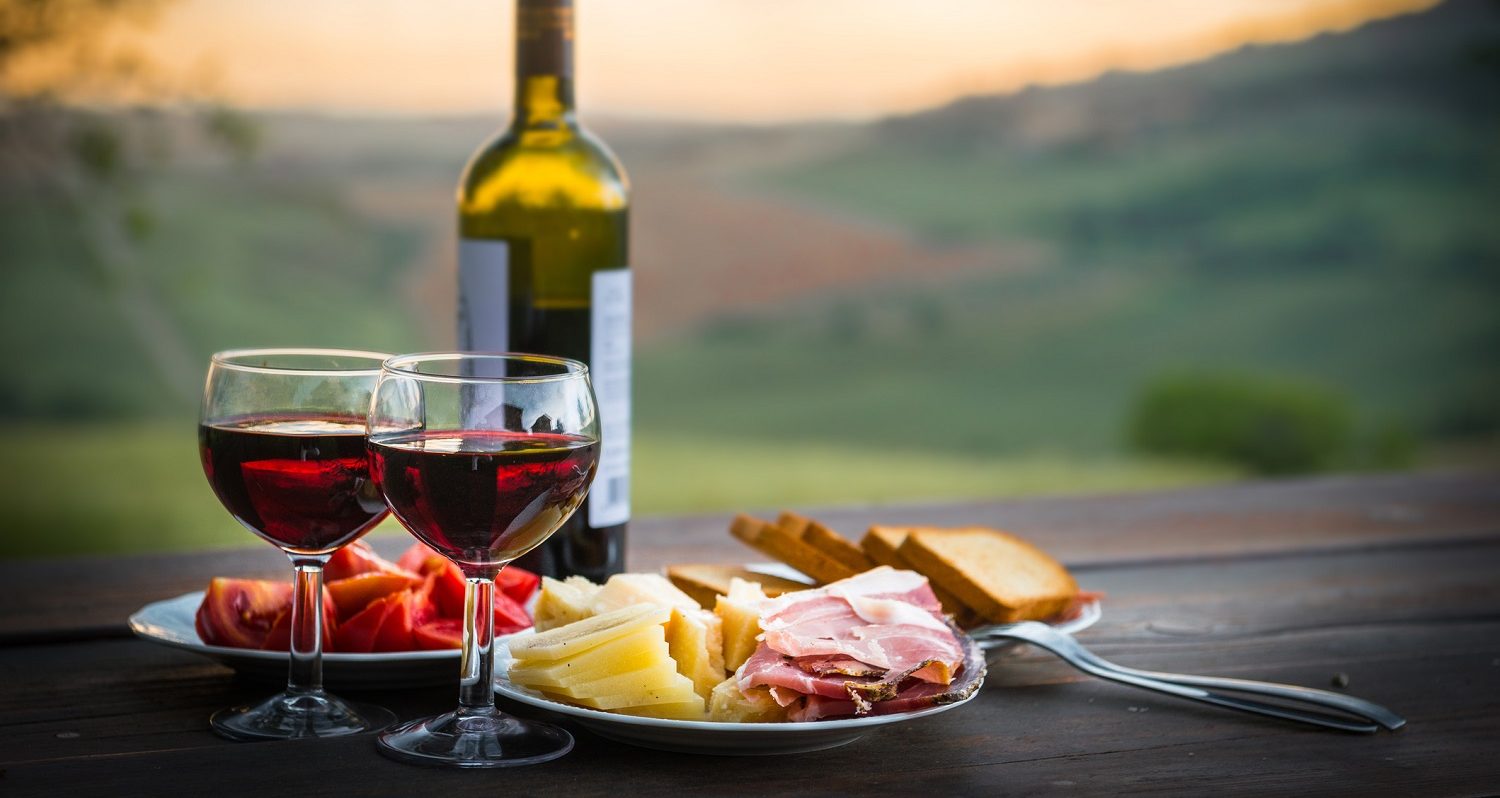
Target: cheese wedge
x=679, y=690
x=728, y=704
x=655, y=677
x=739, y=611
x=696, y=642
x=624, y=590
x=562, y=603
x=580, y=636
x=631, y=652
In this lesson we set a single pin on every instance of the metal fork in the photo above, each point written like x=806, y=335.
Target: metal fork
x=1193, y=687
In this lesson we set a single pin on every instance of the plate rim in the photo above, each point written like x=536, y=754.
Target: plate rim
x=147, y=630
x=504, y=686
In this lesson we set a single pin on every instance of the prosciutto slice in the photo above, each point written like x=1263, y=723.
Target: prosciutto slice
x=870, y=644
x=916, y=695
x=884, y=618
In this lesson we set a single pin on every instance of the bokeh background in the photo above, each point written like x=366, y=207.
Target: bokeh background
x=885, y=251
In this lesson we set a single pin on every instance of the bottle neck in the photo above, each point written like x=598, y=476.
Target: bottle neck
x=544, y=63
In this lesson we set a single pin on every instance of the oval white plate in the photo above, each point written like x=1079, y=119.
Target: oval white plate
x=738, y=739
x=170, y=623
x=708, y=737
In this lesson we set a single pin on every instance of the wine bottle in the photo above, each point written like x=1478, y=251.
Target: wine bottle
x=543, y=211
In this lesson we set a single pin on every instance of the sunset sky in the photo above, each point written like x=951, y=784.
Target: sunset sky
x=743, y=60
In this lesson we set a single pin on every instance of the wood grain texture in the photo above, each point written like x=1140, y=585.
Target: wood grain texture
x=1391, y=582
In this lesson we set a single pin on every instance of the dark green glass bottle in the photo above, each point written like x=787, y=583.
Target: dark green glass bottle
x=543, y=218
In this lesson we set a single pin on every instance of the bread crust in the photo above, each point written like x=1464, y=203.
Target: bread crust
x=1000, y=576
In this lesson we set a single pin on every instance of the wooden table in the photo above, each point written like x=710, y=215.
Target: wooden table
x=1393, y=582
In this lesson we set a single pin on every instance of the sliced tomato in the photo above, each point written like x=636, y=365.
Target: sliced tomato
x=395, y=630
x=280, y=636
x=417, y=556
x=240, y=612
x=357, y=635
x=509, y=615
x=440, y=634
x=518, y=583
x=354, y=593
x=358, y=558
x=423, y=608
x=448, y=588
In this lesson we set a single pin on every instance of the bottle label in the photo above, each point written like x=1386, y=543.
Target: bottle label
x=609, y=367
x=483, y=295
x=484, y=326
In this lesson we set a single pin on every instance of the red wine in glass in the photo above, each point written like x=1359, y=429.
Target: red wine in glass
x=300, y=481
x=483, y=497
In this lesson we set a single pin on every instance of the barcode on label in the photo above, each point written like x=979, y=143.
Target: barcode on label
x=614, y=490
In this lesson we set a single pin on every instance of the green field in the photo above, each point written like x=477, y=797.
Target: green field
x=138, y=487
x=1323, y=210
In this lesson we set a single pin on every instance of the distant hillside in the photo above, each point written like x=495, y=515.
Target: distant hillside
x=1323, y=209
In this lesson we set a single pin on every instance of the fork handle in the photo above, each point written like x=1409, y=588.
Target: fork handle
x=1289, y=692
x=1192, y=687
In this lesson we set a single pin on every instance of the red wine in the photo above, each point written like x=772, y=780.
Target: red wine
x=483, y=498
x=299, y=481
x=581, y=547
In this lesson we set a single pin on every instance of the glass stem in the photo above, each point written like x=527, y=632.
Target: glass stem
x=305, y=672
x=476, y=687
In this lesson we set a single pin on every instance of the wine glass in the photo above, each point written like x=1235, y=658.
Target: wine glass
x=481, y=457
x=282, y=439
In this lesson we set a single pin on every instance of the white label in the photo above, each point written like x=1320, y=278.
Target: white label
x=483, y=295
x=609, y=367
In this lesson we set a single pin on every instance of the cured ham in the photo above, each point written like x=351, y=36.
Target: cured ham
x=869, y=644
x=884, y=618
x=916, y=695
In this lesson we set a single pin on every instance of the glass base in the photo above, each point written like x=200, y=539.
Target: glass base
x=288, y=716
x=475, y=738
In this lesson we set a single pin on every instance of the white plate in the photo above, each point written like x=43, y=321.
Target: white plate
x=708, y=737
x=738, y=739
x=170, y=623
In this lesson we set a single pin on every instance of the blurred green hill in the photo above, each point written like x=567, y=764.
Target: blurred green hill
x=1324, y=209
x=963, y=302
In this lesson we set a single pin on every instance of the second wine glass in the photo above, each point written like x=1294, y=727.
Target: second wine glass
x=481, y=457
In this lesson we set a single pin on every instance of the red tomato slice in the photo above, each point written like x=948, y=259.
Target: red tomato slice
x=439, y=634
x=395, y=630
x=240, y=612
x=357, y=635
x=509, y=615
x=448, y=590
x=518, y=583
x=358, y=558
x=280, y=636
x=354, y=593
x=423, y=609
x=417, y=556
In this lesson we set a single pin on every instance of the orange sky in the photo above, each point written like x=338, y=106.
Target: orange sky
x=745, y=60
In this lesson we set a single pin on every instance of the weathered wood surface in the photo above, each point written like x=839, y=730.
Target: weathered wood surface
x=1393, y=581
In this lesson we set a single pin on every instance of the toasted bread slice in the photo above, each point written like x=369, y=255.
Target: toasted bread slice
x=705, y=583
x=784, y=543
x=883, y=544
x=1002, y=577
x=831, y=543
x=880, y=544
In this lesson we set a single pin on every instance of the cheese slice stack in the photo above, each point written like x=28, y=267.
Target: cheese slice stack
x=616, y=661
